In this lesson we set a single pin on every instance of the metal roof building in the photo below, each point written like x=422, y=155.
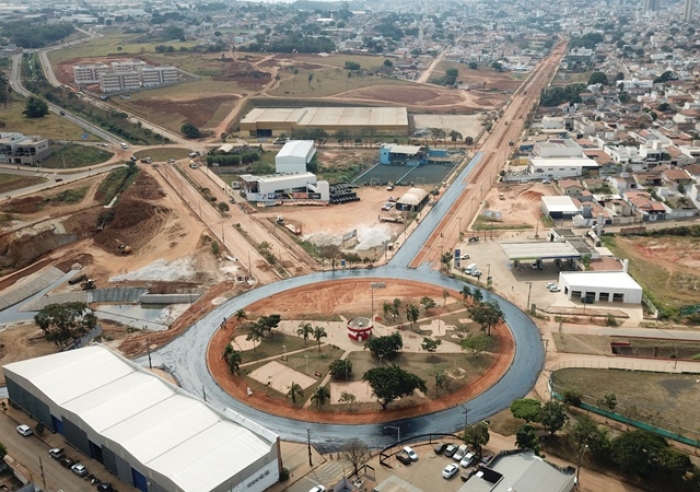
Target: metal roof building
x=294, y=156
x=601, y=287
x=413, y=200
x=146, y=431
x=267, y=122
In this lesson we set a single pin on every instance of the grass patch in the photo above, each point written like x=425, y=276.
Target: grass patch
x=504, y=423
x=50, y=126
x=582, y=344
x=274, y=345
x=9, y=182
x=115, y=183
x=75, y=195
x=108, y=45
x=366, y=62
x=484, y=224
x=163, y=154
x=71, y=156
x=326, y=82
x=664, y=400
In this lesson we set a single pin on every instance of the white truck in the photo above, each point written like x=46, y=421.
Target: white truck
x=124, y=145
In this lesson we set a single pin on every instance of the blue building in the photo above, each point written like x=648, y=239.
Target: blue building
x=394, y=154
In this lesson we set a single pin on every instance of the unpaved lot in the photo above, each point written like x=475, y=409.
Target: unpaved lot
x=521, y=204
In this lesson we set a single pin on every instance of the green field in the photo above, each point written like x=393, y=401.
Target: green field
x=109, y=45
x=9, y=182
x=326, y=82
x=50, y=126
x=73, y=156
x=665, y=400
x=366, y=62
x=163, y=154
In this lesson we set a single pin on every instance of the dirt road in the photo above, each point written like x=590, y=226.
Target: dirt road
x=495, y=150
x=231, y=240
x=429, y=71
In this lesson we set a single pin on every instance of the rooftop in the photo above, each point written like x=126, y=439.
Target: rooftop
x=597, y=279
x=296, y=148
x=540, y=250
x=324, y=117
x=564, y=204
x=563, y=162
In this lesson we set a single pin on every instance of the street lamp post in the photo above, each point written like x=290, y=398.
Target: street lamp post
x=529, y=291
x=580, y=459
x=306, y=357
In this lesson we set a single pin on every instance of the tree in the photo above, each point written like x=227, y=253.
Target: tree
x=385, y=347
x=468, y=141
x=352, y=66
x=387, y=308
x=455, y=135
x=62, y=323
x=342, y=136
x=473, y=65
x=391, y=382
x=340, y=368
x=552, y=416
x=430, y=344
x=357, y=453
x=388, y=63
x=347, y=397
x=466, y=293
x=232, y=358
x=412, y=313
x=477, y=435
x=319, y=333
x=527, y=409
x=585, y=432
x=445, y=295
x=190, y=131
x=486, y=314
x=598, y=78
x=428, y=303
x=294, y=391
x=310, y=78
x=240, y=315
x=397, y=307
x=476, y=344
x=442, y=380
x=451, y=75
x=609, y=402
x=35, y=108
x=497, y=66
x=639, y=452
x=268, y=323
x=255, y=333
x=525, y=438
x=477, y=295
x=223, y=207
x=445, y=260
x=321, y=395
x=305, y=331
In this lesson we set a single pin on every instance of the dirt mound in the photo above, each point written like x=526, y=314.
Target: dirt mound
x=244, y=75
x=531, y=196
x=196, y=111
x=26, y=205
x=22, y=251
x=135, y=223
x=145, y=188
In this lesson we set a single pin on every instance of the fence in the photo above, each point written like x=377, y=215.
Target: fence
x=591, y=405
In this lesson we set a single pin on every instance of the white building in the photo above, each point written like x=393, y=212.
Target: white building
x=128, y=65
x=111, y=81
x=88, y=74
x=153, y=76
x=278, y=187
x=146, y=431
x=562, y=147
x=635, y=85
x=294, y=156
x=601, y=287
x=561, y=168
x=560, y=207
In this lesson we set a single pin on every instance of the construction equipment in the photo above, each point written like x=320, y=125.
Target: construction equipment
x=123, y=248
x=88, y=284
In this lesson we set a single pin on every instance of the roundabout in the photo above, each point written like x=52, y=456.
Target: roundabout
x=185, y=358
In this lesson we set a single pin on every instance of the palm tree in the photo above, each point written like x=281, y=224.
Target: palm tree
x=397, y=306
x=454, y=136
x=255, y=333
x=321, y=395
x=445, y=295
x=294, y=391
x=387, y=307
x=319, y=333
x=240, y=315
x=233, y=358
x=477, y=295
x=305, y=331
x=412, y=313
x=466, y=293
x=445, y=261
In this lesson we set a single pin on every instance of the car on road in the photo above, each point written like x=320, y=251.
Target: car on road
x=450, y=450
x=411, y=453
x=440, y=447
x=58, y=180
x=318, y=488
x=171, y=160
x=450, y=471
x=66, y=462
x=552, y=287
x=79, y=470
x=403, y=458
x=57, y=453
x=387, y=206
x=105, y=487
x=472, y=240
x=464, y=257
x=24, y=430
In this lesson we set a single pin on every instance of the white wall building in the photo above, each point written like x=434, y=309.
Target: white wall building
x=88, y=74
x=558, y=148
x=153, y=76
x=561, y=168
x=601, y=287
x=301, y=186
x=111, y=81
x=294, y=156
x=128, y=65
x=143, y=429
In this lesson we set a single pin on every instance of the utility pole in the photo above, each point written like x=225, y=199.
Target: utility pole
x=529, y=291
x=308, y=444
x=41, y=468
x=148, y=349
x=204, y=393
x=466, y=416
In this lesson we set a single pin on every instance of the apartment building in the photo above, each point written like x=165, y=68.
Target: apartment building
x=128, y=65
x=112, y=81
x=153, y=76
x=88, y=74
x=16, y=148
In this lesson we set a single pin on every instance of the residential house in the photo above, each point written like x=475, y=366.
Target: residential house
x=622, y=183
x=570, y=187
x=642, y=203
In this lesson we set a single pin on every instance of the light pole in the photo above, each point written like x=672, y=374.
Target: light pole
x=398, y=431
x=284, y=352
x=306, y=357
x=578, y=468
x=529, y=291
x=466, y=416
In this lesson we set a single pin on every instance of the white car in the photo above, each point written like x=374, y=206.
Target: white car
x=552, y=287
x=25, y=430
x=450, y=471
x=467, y=460
x=411, y=453
x=318, y=488
x=79, y=470
x=464, y=257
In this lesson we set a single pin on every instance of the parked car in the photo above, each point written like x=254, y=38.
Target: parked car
x=552, y=287
x=171, y=160
x=472, y=240
x=461, y=451
x=391, y=199
x=464, y=257
x=467, y=474
x=403, y=458
x=58, y=180
x=57, y=453
x=451, y=450
x=411, y=453
x=475, y=273
x=24, y=430
x=587, y=300
x=440, y=447
x=105, y=487
x=468, y=460
x=79, y=470
x=318, y=488
x=66, y=462
x=388, y=206
x=450, y=471
x=279, y=141
x=486, y=458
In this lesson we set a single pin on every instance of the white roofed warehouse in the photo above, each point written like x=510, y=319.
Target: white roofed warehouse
x=294, y=156
x=413, y=200
x=146, y=431
x=600, y=287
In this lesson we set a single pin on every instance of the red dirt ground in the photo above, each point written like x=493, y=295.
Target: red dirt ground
x=412, y=96
x=197, y=111
x=335, y=293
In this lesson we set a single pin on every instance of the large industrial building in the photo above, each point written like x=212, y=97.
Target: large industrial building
x=278, y=188
x=146, y=431
x=268, y=122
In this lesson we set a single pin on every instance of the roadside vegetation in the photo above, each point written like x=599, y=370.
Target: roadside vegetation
x=115, y=183
x=71, y=156
x=9, y=182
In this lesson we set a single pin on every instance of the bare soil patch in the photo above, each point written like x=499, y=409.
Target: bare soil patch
x=521, y=203
x=408, y=96
x=244, y=75
x=197, y=111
